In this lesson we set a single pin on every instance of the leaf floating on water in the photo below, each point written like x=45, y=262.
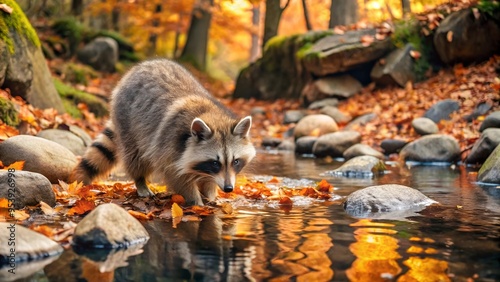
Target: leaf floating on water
x=178, y=199
x=140, y=215
x=286, y=201
x=324, y=186
x=227, y=208
x=176, y=211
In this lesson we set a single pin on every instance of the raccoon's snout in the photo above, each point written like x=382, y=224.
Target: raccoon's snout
x=228, y=188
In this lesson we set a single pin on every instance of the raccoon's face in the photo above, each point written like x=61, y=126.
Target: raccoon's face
x=219, y=154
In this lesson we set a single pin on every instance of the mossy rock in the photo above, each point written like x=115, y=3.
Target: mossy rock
x=16, y=21
x=8, y=112
x=489, y=171
x=78, y=73
x=73, y=97
x=71, y=29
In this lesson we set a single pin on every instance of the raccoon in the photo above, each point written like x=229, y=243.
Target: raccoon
x=163, y=122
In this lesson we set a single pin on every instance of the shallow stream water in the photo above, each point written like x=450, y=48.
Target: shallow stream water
x=318, y=241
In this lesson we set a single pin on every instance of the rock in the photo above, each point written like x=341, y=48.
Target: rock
x=29, y=188
x=342, y=52
x=481, y=109
x=432, y=148
x=492, y=120
x=488, y=141
x=101, y=54
x=316, y=125
x=392, y=146
x=258, y=111
x=65, y=138
x=304, y=145
x=361, y=150
x=30, y=245
x=271, y=142
x=360, y=121
x=442, y=110
x=87, y=140
x=335, y=144
x=396, y=69
x=490, y=170
x=293, y=116
x=343, y=86
x=386, y=198
x=336, y=114
x=458, y=36
x=360, y=166
x=286, y=145
x=332, y=102
x=109, y=226
x=23, y=68
x=40, y=155
x=424, y=126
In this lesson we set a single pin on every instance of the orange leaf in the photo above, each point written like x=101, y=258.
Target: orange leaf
x=44, y=229
x=4, y=203
x=324, y=186
x=274, y=180
x=46, y=209
x=178, y=199
x=81, y=206
x=140, y=215
x=449, y=36
x=285, y=201
x=227, y=208
x=16, y=165
x=176, y=210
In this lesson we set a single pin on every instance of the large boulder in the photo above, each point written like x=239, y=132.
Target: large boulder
x=40, y=155
x=395, y=69
x=28, y=189
x=23, y=68
x=467, y=36
x=341, y=52
x=392, y=199
x=65, y=138
x=109, y=226
x=432, y=148
x=488, y=141
x=343, y=86
x=101, y=54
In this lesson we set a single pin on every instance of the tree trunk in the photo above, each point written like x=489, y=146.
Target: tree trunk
x=406, y=7
x=343, y=12
x=254, y=48
x=153, y=37
x=272, y=19
x=195, y=50
x=77, y=7
x=306, y=15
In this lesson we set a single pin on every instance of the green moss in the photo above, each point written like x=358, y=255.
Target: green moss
x=68, y=93
x=489, y=7
x=77, y=73
x=71, y=108
x=409, y=31
x=72, y=29
x=18, y=22
x=8, y=112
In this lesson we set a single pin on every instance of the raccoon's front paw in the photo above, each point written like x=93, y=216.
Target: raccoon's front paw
x=143, y=193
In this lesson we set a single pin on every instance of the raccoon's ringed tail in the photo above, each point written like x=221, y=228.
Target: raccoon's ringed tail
x=99, y=158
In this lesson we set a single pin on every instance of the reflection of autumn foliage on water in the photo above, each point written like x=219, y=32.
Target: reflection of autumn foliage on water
x=378, y=252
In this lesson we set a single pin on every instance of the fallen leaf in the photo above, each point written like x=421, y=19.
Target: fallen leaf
x=415, y=54
x=81, y=206
x=6, y=8
x=46, y=209
x=140, y=215
x=4, y=203
x=16, y=165
x=227, y=208
x=178, y=199
x=285, y=201
x=176, y=211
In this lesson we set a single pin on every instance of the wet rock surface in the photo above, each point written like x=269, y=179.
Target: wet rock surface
x=362, y=150
x=109, y=226
x=360, y=167
x=315, y=125
x=488, y=141
x=335, y=144
x=432, y=148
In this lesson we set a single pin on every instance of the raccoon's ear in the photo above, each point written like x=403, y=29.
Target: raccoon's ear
x=200, y=129
x=243, y=127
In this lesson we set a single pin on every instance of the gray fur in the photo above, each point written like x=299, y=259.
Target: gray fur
x=153, y=111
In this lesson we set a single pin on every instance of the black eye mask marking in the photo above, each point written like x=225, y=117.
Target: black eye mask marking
x=238, y=165
x=210, y=167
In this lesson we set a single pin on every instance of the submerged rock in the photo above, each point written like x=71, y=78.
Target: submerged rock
x=29, y=245
x=432, y=148
x=109, y=226
x=361, y=166
x=488, y=141
x=40, y=155
x=388, y=198
x=490, y=170
x=335, y=144
x=29, y=188
x=362, y=150
x=271, y=141
x=304, y=145
x=424, y=126
x=315, y=125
